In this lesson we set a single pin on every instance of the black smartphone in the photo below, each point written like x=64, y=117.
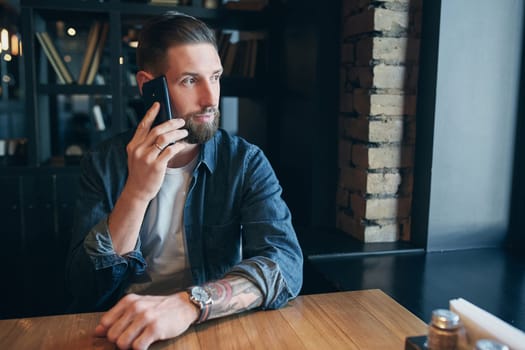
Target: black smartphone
x=157, y=90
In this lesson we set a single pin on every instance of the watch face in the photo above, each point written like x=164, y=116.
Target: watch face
x=200, y=294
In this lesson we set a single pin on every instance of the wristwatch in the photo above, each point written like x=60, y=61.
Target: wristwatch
x=202, y=298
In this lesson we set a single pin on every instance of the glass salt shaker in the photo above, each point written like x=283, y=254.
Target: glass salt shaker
x=444, y=330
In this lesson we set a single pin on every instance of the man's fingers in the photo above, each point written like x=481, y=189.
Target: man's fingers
x=169, y=151
x=167, y=128
x=146, y=338
x=150, y=116
x=117, y=329
x=100, y=331
x=146, y=122
x=169, y=138
x=114, y=315
x=146, y=319
x=131, y=332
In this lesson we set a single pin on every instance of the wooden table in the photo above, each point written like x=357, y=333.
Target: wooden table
x=366, y=319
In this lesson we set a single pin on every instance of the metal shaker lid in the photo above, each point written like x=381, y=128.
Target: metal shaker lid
x=445, y=319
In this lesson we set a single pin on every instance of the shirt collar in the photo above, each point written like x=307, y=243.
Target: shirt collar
x=209, y=152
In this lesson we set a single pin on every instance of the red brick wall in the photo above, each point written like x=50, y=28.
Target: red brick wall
x=379, y=66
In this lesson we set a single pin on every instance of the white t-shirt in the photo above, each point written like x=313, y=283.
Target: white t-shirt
x=162, y=236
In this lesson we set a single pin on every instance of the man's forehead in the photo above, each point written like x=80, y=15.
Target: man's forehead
x=196, y=58
x=193, y=51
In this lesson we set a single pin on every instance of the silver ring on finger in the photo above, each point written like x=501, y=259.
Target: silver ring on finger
x=157, y=146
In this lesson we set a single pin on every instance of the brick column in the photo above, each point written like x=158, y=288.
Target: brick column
x=379, y=66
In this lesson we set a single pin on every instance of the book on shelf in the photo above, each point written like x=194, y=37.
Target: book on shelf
x=57, y=62
x=240, y=62
x=251, y=59
x=90, y=50
x=254, y=41
x=95, y=63
x=96, y=40
x=240, y=58
x=229, y=59
x=223, y=44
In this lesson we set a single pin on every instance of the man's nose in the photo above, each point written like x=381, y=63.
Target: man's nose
x=209, y=94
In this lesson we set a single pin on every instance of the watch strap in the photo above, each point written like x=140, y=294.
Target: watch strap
x=204, y=312
x=204, y=305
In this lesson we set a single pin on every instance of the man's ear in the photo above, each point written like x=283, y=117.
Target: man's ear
x=143, y=77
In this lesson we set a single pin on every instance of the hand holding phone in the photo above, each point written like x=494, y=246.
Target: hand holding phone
x=157, y=90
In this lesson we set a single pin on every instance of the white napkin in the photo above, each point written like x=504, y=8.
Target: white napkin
x=480, y=324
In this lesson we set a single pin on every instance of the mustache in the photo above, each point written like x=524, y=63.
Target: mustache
x=207, y=110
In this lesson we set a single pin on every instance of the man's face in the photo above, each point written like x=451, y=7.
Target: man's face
x=193, y=82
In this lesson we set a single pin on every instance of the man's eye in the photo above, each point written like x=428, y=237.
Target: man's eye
x=216, y=77
x=189, y=81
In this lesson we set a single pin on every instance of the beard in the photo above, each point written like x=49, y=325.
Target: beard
x=199, y=133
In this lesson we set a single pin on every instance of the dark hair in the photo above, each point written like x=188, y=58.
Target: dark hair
x=165, y=31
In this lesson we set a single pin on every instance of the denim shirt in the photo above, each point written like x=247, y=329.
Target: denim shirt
x=234, y=218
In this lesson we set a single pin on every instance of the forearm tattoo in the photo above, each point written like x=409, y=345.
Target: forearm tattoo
x=232, y=294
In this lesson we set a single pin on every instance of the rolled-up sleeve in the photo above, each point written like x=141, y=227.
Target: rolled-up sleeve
x=99, y=247
x=272, y=257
